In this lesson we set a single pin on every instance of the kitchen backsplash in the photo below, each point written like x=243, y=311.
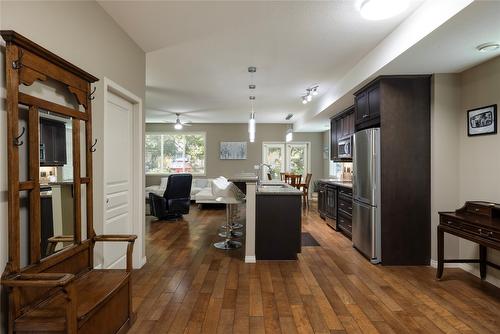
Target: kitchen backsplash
x=46, y=173
x=341, y=171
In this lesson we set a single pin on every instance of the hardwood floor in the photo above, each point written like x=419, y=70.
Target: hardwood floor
x=188, y=286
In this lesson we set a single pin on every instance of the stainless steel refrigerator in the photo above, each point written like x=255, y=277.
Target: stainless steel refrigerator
x=366, y=194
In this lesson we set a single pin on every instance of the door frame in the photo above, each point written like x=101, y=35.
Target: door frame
x=137, y=190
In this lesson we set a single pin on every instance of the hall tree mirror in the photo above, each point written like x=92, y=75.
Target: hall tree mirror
x=51, y=150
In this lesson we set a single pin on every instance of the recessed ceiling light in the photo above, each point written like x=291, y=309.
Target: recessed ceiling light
x=487, y=47
x=381, y=9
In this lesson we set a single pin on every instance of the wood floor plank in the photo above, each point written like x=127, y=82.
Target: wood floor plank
x=188, y=286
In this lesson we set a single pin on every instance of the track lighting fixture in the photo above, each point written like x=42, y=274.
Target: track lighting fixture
x=310, y=92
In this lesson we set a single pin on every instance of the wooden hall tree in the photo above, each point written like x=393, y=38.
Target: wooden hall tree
x=55, y=288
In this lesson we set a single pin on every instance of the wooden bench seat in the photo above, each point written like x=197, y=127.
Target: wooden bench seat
x=93, y=291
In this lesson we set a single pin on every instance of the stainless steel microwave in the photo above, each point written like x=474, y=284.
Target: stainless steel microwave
x=344, y=148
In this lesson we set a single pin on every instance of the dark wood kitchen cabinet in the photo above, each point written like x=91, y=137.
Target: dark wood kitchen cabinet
x=327, y=203
x=400, y=106
x=341, y=126
x=278, y=226
x=344, y=213
x=367, y=107
x=52, y=143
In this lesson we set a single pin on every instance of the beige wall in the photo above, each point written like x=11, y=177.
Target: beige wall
x=239, y=132
x=445, y=120
x=82, y=33
x=479, y=157
x=464, y=168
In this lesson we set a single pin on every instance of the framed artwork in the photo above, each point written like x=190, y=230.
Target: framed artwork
x=233, y=150
x=482, y=121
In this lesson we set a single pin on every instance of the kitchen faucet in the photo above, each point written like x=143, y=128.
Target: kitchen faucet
x=259, y=179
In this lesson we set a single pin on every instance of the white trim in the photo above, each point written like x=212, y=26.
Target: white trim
x=250, y=259
x=138, y=175
x=470, y=269
x=447, y=265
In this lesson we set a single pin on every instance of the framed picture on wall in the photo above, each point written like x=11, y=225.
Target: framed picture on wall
x=482, y=121
x=233, y=150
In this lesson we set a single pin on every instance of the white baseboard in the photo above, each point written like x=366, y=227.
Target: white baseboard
x=99, y=266
x=142, y=263
x=470, y=269
x=250, y=259
x=434, y=264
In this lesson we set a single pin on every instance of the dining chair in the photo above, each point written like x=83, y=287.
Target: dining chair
x=305, y=189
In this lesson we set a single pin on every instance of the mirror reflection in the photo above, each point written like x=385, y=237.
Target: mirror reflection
x=56, y=183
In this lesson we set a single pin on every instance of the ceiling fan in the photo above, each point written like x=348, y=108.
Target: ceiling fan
x=178, y=124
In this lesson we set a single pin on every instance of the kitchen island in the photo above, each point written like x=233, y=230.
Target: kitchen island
x=278, y=221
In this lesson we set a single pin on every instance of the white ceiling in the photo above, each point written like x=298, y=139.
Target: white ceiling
x=198, y=53
x=451, y=48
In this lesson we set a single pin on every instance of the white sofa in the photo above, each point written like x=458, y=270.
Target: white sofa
x=197, y=186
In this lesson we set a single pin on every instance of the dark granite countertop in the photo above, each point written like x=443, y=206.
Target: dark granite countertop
x=339, y=183
x=61, y=183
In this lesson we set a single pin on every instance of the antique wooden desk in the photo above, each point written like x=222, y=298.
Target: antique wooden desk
x=478, y=222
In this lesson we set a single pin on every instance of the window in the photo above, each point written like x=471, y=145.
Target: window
x=170, y=153
x=291, y=157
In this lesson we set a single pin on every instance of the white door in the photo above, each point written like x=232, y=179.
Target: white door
x=274, y=155
x=118, y=151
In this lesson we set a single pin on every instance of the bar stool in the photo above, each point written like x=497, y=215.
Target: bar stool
x=230, y=195
x=229, y=234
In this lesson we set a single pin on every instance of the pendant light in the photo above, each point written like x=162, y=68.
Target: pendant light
x=289, y=134
x=251, y=122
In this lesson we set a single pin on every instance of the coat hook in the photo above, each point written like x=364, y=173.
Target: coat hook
x=91, y=95
x=92, y=149
x=17, y=142
x=17, y=64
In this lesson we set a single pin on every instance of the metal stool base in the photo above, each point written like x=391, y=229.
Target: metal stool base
x=227, y=244
x=233, y=226
x=231, y=234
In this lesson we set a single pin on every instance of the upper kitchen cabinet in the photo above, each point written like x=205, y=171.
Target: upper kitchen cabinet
x=367, y=107
x=52, y=142
x=341, y=130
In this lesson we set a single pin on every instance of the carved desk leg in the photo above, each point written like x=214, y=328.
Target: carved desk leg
x=440, y=252
x=482, y=261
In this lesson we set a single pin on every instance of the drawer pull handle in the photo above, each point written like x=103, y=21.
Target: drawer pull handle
x=365, y=116
x=485, y=233
x=350, y=207
x=476, y=209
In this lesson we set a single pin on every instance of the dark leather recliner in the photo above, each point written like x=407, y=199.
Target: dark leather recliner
x=176, y=199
